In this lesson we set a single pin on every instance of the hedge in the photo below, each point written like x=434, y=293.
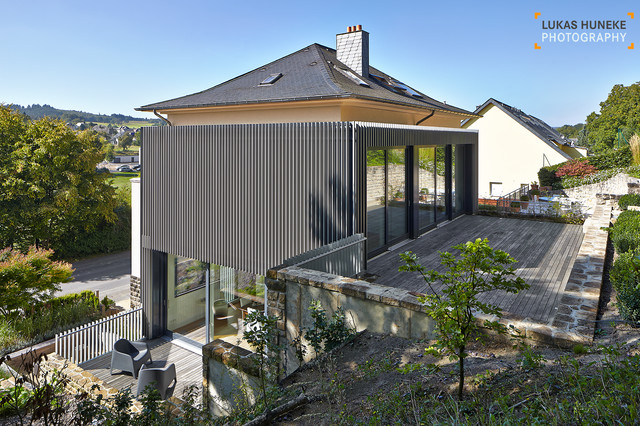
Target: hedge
x=628, y=200
x=614, y=158
x=625, y=278
x=625, y=234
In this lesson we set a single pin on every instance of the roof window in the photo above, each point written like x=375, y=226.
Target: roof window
x=405, y=88
x=271, y=79
x=353, y=76
x=396, y=85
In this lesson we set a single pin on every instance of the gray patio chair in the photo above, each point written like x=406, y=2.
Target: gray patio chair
x=161, y=378
x=130, y=356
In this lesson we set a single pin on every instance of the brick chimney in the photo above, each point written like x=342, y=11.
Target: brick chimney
x=352, y=49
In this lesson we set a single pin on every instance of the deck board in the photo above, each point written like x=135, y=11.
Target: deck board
x=188, y=367
x=545, y=252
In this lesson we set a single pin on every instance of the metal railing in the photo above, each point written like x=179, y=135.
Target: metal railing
x=345, y=257
x=504, y=202
x=89, y=341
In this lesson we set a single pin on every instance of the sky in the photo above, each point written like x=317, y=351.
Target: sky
x=111, y=57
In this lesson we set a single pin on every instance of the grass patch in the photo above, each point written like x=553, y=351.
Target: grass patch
x=122, y=180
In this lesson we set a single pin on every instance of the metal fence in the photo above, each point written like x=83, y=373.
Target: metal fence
x=91, y=340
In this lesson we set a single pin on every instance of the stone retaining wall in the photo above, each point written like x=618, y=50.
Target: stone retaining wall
x=374, y=307
x=135, y=292
x=81, y=380
x=226, y=369
x=587, y=194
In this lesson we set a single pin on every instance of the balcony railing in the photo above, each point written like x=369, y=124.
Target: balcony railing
x=91, y=340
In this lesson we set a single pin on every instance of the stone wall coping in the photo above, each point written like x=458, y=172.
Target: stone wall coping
x=391, y=296
x=232, y=356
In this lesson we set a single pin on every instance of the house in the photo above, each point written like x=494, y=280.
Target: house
x=513, y=146
x=299, y=155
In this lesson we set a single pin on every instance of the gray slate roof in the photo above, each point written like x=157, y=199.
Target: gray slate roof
x=308, y=74
x=536, y=126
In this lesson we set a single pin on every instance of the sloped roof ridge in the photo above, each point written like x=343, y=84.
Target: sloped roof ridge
x=236, y=77
x=549, y=135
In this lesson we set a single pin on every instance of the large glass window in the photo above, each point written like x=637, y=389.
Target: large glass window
x=186, y=297
x=231, y=295
x=396, y=194
x=386, y=197
x=376, y=198
x=426, y=186
x=457, y=187
x=441, y=184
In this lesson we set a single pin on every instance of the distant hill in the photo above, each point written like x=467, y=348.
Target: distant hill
x=36, y=111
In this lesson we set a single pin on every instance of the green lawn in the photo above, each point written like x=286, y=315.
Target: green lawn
x=121, y=180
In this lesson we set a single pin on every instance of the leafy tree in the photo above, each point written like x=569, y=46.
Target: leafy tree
x=621, y=110
x=479, y=269
x=125, y=141
x=49, y=187
x=26, y=279
x=571, y=131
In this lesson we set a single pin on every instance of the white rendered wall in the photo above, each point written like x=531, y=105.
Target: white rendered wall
x=508, y=152
x=135, y=227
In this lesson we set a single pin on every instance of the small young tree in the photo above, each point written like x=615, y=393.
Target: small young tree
x=261, y=333
x=478, y=269
x=26, y=279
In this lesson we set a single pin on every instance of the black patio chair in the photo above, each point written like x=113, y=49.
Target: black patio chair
x=161, y=378
x=130, y=356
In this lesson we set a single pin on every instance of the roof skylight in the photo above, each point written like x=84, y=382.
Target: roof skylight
x=398, y=86
x=404, y=87
x=271, y=79
x=353, y=76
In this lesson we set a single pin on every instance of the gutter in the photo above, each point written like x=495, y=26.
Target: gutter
x=155, y=112
x=427, y=117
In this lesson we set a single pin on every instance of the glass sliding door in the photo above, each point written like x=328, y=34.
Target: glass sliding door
x=186, y=297
x=426, y=187
x=233, y=295
x=456, y=183
x=386, y=197
x=441, y=184
x=376, y=199
x=396, y=194
x=207, y=301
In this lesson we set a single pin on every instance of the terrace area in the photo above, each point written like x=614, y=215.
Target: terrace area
x=188, y=367
x=545, y=252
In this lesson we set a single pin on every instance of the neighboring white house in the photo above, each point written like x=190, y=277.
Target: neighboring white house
x=513, y=146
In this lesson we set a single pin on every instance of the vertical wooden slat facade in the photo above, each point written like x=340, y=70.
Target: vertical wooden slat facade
x=250, y=196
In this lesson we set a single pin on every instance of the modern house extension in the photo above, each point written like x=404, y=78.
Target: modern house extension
x=513, y=147
x=312, y=152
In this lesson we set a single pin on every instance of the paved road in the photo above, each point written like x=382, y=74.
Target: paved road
x=109, y=274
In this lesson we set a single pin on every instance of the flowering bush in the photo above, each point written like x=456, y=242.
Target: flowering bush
x=578, y=167
x=602, y=175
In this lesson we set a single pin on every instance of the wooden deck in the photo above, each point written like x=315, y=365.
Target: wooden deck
x=545, y=252
x=188, y=367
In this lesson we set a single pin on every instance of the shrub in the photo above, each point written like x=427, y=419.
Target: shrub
x=625, y=277
x=547, y=175
x=524, y=197
x=629, y=200
x=625, y=234
x=578, y=167
x=515, y=204
x=612, y=158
